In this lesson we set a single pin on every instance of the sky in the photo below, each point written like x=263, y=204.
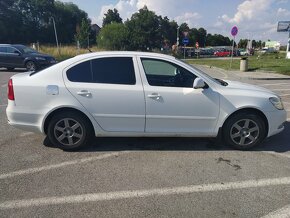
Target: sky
x=255, y=19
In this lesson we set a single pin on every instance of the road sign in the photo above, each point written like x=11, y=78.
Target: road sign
x=283, y=26
x=197, y=45
x=185, y=41
x=234, y=31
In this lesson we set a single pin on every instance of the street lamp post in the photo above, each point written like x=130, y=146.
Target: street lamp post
x=55, y=33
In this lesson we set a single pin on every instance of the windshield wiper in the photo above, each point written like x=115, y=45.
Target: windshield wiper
x=222, y=82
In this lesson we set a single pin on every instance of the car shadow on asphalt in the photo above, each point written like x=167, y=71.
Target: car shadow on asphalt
x=277, y=143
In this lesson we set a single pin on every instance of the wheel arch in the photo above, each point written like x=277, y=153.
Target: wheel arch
x=64, y=109
x=252, y=111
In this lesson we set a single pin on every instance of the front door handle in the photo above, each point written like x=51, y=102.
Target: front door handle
x=154, y=95
x=85, y=93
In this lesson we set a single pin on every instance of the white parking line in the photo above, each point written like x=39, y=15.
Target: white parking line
x=94, y=197
x=274, y=84
x=280, y=89
x=283, y=212
x=4, y=85
x=26, y=134
x=63, y=164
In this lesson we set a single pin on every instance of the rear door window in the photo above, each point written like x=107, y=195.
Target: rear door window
x=114, y=70
x=12, y=50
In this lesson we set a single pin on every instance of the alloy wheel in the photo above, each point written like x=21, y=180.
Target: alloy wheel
x=68, y=131
x=244, y=132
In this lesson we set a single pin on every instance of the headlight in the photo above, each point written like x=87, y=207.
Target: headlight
x=277, y=103
x=40, y=58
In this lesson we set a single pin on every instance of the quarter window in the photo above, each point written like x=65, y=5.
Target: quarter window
x=163, y=73
x=80, y=73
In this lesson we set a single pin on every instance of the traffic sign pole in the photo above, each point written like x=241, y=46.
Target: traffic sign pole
x=232, y=52
x=234, y=32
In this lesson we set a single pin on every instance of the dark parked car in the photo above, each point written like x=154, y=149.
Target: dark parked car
x=20, y=56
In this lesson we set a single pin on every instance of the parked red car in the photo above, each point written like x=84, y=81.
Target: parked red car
x=223, y=53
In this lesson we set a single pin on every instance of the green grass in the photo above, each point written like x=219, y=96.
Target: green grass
x=65, y=52
x=266, y=62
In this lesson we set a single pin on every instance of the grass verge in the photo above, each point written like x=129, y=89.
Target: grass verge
x=65, y=52
x=266, y=62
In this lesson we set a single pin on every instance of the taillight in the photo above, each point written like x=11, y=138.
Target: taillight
x=10, y=91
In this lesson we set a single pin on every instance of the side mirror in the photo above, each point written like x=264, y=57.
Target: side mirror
x=199, y=83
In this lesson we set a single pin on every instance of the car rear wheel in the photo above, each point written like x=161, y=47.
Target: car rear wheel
x=30, y=66
x=244, y=131
x=69, y=131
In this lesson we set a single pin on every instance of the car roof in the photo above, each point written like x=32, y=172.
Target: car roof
x=107, y=53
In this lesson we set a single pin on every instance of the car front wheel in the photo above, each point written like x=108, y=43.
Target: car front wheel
x=69, y=131
x=244, y=131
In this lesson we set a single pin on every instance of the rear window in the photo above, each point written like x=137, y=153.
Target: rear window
x=115, y=70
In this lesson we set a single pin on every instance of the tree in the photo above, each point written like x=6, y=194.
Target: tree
x=143, y=30
x=113, y=36
x=218, y=40
x=112, y=16
x=68, y=18
x=167, y=30
x=83, y=33
x=243, y=43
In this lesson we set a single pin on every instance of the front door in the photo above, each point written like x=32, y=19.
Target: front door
x=111, y=91
x=172, y=105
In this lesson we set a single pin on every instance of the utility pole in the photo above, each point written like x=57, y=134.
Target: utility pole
x=55, y=33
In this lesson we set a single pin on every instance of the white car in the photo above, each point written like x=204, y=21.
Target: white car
x=139, y=94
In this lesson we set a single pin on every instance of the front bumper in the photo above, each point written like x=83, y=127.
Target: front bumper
x=276, y=120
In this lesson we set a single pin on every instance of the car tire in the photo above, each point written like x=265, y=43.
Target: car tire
x=69, y=131
x=244, y=131
x=30, y=66
x=10, y=68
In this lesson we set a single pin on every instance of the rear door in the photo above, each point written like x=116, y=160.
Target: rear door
x=111, y=91
x=14, y=57
x=3, y=54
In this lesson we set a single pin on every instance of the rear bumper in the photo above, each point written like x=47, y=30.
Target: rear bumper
x=24, y=119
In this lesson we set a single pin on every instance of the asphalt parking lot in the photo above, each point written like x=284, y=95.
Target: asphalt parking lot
x=145, y=177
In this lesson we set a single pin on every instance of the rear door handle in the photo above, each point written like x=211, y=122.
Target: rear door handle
x=154, y=95
x=85, y=93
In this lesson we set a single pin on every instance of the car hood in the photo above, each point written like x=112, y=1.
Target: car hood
x=248, y=87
